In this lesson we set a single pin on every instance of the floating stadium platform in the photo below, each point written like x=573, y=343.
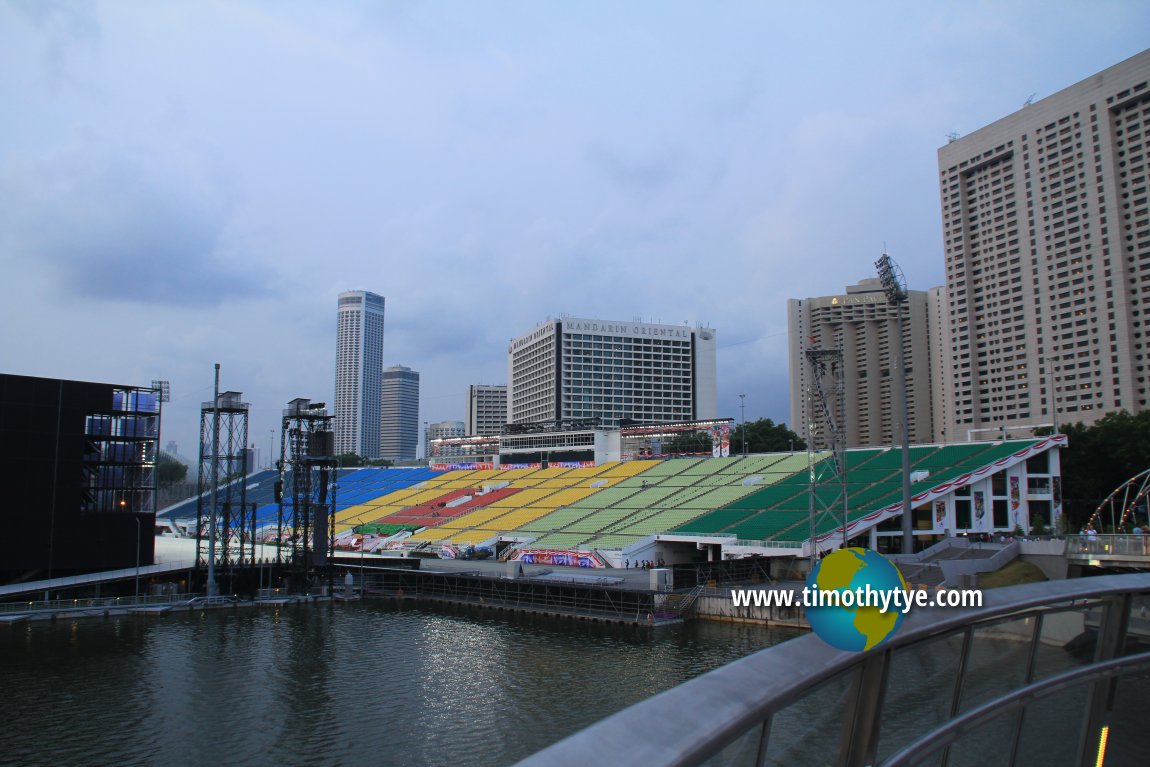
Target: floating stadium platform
x=674, y=510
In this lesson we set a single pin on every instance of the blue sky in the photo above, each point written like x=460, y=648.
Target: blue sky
x=184, y=183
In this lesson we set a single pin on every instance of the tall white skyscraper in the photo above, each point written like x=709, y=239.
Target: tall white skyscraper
x=399, y=429
x=358, y=373
x=1047, y=236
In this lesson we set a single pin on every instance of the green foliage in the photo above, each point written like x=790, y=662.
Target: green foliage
x=171, y=471
x=765, y=436
x=1014, y=574
x=1038, y=525
x=348, y=460
x=1102, y=457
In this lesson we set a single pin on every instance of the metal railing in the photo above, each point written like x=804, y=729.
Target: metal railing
x=96, y=603
x=1094, y=545
x=952, y=686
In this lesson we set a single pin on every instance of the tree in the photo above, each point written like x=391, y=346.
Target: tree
x=765, y=436
x=1099, y=458
x=349, y=460
x=171, y=471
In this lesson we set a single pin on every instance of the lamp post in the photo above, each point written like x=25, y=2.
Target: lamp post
x=213, y=589
x=743, y=415
x=894, y=285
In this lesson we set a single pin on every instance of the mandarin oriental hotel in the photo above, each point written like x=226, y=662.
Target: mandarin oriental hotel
x=574, y=368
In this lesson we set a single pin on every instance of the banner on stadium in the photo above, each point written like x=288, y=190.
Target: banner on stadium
x=560, y=557
x=552, y=464
x=1056, y=503
x=721, y=440
x=980, y=522
x=460, y=466
x=1015, y=502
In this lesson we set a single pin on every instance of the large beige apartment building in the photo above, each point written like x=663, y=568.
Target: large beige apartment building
x=1047, y=243
x=864, y=325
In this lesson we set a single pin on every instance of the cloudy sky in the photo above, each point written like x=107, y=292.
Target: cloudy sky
x=184, y=183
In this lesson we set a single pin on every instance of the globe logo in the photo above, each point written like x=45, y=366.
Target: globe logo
x=853, y=627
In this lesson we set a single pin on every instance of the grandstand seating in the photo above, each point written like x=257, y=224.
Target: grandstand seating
x=781, y=511
x=758, y=497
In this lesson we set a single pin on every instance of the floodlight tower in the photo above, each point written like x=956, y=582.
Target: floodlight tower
x=223, y=438
x=894, y=285
x=826, y=429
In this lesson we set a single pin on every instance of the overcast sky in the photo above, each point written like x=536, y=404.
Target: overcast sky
x=184, y=183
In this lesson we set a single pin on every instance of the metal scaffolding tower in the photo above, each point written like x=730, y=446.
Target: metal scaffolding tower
x=826, y=430
x=222, y=526
x=306, y=521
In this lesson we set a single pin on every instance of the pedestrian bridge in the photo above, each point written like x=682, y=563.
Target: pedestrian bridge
x=1092, y=550
x=1046, y=673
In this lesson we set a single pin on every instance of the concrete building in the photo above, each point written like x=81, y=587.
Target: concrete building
x=486, y=409
x=1047, y=240
x=358, y=373
x=443, y=430
x=399, y=427
x=863, y=324
x=574, y=368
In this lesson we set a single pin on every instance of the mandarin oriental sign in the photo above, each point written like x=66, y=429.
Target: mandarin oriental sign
x=623, y=329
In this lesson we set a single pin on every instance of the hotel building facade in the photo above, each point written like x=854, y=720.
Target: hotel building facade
x=574, y=368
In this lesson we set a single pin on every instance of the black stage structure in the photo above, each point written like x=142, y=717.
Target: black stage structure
x=306, y=492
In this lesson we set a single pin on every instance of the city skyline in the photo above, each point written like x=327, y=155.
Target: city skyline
x=602, y=162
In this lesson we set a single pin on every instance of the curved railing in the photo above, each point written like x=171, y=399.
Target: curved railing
x=1039, y=669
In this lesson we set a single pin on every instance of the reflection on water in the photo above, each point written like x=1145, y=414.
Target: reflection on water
x=363, y=684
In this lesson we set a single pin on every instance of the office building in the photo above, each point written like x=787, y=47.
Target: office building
x=486, y=409
x=864, y=325
x=574, y=368
x=399, y=428
x=1047, y=241
x=359, y=373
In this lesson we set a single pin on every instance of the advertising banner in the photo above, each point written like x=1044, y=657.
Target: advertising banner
x=565, y=558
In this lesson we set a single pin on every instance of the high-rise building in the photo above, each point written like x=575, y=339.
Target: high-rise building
x=358, y=373
x=1047, y=240
x=399, y=429
x=486, y=409
x=864, y=325
x=612, y=370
